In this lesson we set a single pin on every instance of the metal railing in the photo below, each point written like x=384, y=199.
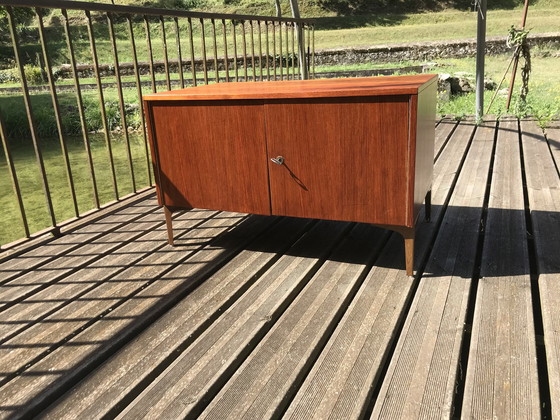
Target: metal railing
x=209, y=48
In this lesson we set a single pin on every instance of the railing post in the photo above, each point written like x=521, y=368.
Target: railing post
x=13, y=174
x=56, y=108
x=30, y=118
x=301, y=41
x=80, y=103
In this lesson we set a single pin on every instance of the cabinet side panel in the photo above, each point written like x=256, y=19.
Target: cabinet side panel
x=212, y=155
x=425, y=137
x=345, y=158
x=153, y=147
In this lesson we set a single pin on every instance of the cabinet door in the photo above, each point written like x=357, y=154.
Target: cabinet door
x=344, y=158
x=212, y=155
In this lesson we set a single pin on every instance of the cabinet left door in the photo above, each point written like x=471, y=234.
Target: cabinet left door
x=211, y=154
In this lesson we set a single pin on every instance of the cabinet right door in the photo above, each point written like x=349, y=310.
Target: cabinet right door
x=343, y=158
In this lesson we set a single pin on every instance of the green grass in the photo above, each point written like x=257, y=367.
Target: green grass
x=11, y=227
x=13, y=112
x=446, y=25
x=544, y=88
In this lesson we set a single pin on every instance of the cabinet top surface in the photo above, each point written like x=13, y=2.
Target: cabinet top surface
x=316, y=88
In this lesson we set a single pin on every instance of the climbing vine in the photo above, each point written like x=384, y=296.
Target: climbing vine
x=517, y=38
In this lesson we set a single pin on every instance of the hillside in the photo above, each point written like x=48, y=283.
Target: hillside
x=333, y=8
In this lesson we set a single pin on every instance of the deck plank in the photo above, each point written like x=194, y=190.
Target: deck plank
x=14, y=267
x=62, y=261
x=340, y=383
x=553, y=137
x=501, y=377
x=143, y=237
x=261, y=387
x=543, y=187
x=105, y=390
x=138, y=291
x=421, y=379
x=182, y=387
x=443, y=132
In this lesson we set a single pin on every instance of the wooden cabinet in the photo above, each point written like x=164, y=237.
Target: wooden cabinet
x=342, y=149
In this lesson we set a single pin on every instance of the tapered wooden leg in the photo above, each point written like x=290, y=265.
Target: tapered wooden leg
x=408, y=236
x=428, y=206
x=169, y=224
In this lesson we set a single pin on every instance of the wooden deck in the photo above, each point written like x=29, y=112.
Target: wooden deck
x=259, y=317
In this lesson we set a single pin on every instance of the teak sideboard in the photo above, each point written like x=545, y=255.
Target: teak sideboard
x=356, y=149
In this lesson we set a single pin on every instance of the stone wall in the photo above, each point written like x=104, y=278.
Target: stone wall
x=425, y=51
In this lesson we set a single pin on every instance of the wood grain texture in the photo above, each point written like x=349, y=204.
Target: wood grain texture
x=212, y=155
x=181, y=389
x=322, y=88
x=543, y=187
x=340, y=167
x=501, y=380
x=259, y=389
x=443, y=132
x=553, y=137
x=142, y=290
x=421, y=379
x=100, y=393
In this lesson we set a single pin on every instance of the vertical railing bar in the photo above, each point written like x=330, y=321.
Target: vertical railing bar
x=226, y=58
x=215, y=46
x=260, y=51
x=244, y=51
x=235, y=68
x=274, y=49
x=287, y=53
x=253, y=51
x=308, y=54
x=29, y=110
x=101, y=98
x=313, y=50
x=280, y=48
x=244, y=39
x=266, y=41
x=80, y=102
x=13, y=174
x=165, y=53
x=150, y=53
x=203, y=41
x=191, y=46
x=56, y=108
x=139, y=91
x=293, y=26
x=179, y=54
x=121, y=99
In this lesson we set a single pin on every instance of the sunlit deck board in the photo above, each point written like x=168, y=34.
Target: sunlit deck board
x=12, y=267
x=543, y=187
x=443, y=133
x=183, y=387
x=421, y=378
x=260, y=386
x=258, y=316
x=113, y=310
x=178, y=328
x=553, y=137
x=502, y=375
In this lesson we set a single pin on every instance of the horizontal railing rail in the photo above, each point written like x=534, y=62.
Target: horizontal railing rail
x=100, y=152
